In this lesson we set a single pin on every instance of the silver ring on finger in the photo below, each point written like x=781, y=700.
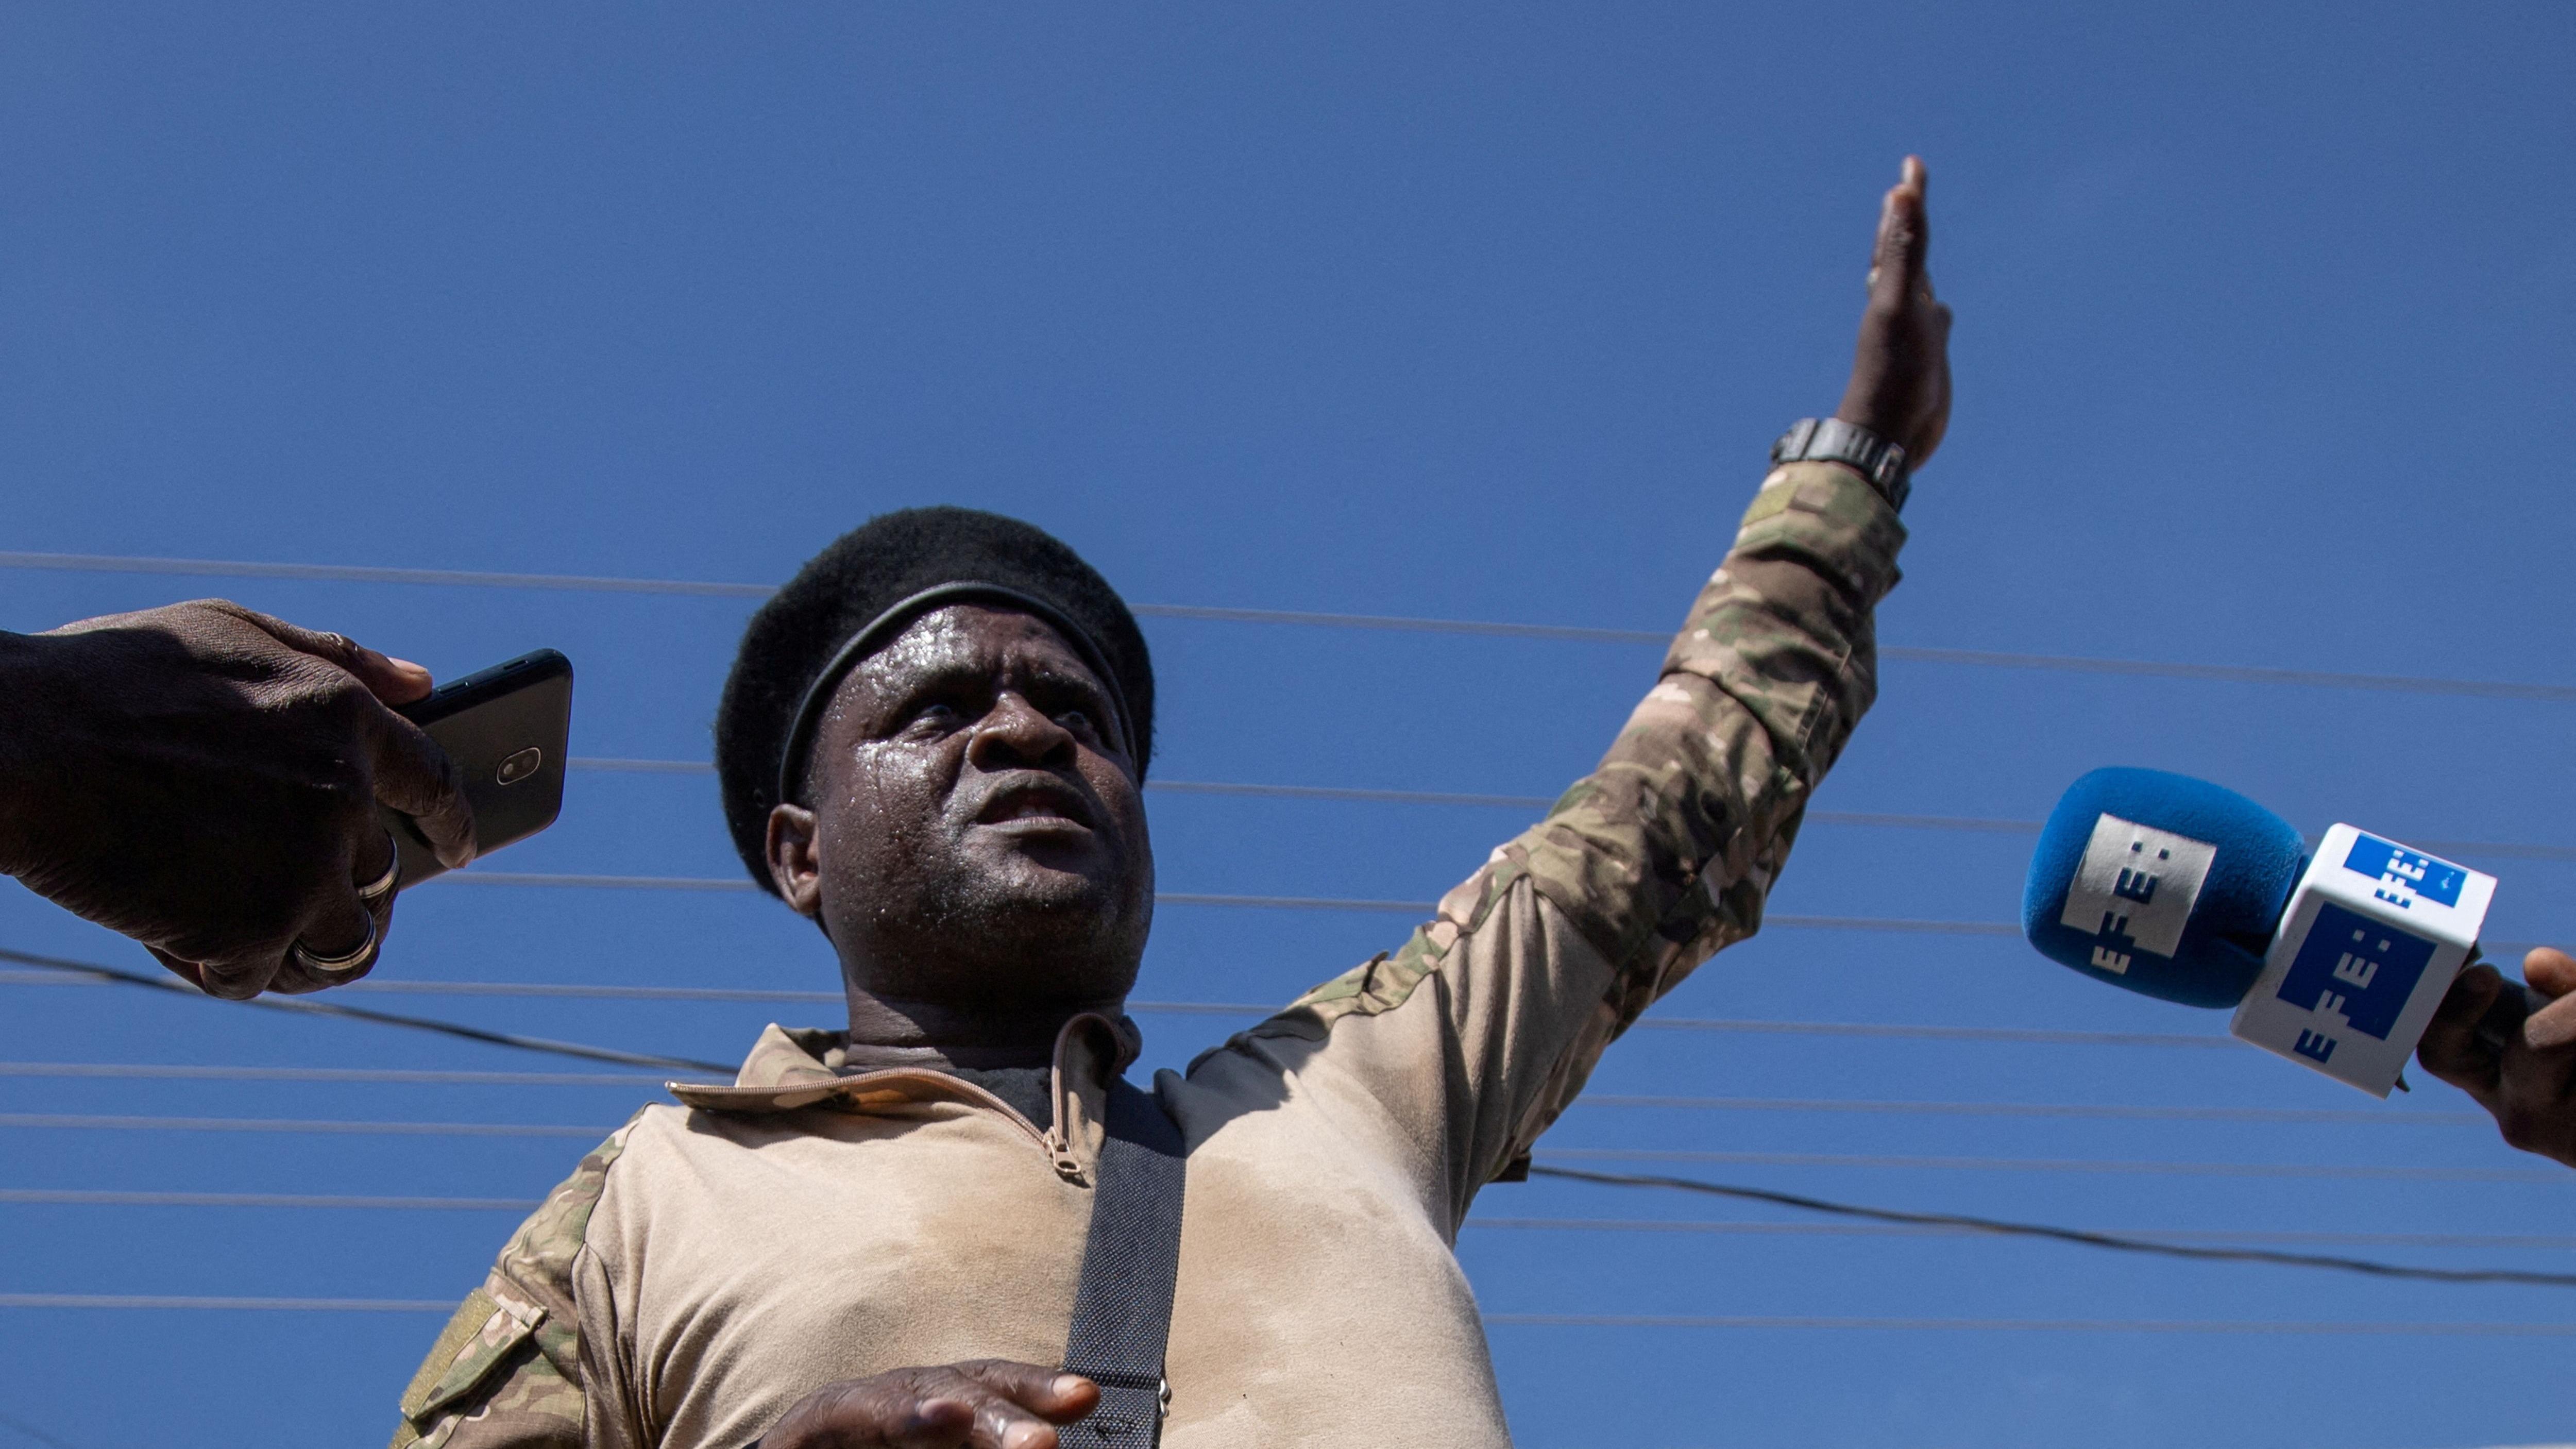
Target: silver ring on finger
x=383, y=885
x=335, y=965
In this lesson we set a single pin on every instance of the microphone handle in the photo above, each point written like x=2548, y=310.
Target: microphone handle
x=2502, y=1023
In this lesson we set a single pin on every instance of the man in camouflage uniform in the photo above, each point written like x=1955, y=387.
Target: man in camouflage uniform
x=874, y=1236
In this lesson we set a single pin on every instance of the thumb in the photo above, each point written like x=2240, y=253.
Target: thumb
x=394, y=681
x=2552, y=972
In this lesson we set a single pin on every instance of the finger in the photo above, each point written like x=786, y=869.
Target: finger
x=2551, y=971
x=395, y=681
x=990, y=1420
x=184, y=970
x=2551, y=1027
x=936, y=1424
x=413, y=775
x=2450, y=1048
x=296, y=979
x=2530, y=1106
x=1051, y=1392
x=243, y=976
x=340, y=924
x=1896, y=262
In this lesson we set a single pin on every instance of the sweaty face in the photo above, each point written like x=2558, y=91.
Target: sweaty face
x=979, y=831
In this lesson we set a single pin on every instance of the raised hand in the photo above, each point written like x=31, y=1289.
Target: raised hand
x=2530, y=1086
x=989, y=1403
x=1900, y=381
x=204, y=779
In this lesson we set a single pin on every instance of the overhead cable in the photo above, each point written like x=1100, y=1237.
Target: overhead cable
x=54, y=970
x=159, y=1302
x=2360, y=1117
x=1908, y=1162
x=228, y=1303
x=173, y=985
x=176, y=1071
x=2225, y=673
x=407, y=1128
x=553, y=880
x=31, y=1433
x=2547, y=1242
x=2352, y=1116
x=359, y=1202
x=1864, y=818
x=2081, y=1237
x=293, y=1126
x=92, y=1197
x=2357, y=1117
x=2259, y=1328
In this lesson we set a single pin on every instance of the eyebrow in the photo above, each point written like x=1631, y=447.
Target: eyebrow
x=950, y=675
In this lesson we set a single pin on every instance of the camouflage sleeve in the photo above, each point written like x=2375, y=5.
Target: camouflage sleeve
x=507, y=1370
x=1657, y=859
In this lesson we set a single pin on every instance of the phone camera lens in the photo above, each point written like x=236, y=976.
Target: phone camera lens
x=520, y=766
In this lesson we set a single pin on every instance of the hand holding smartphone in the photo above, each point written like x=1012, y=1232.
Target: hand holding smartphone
x=505, y=728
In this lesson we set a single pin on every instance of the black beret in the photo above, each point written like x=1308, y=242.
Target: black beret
x=857, y=595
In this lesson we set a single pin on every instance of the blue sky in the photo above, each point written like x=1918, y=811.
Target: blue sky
x=2263, y=358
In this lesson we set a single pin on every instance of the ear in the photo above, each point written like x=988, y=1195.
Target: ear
x=795, y=862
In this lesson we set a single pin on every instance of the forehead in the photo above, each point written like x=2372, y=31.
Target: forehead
x=991, y=640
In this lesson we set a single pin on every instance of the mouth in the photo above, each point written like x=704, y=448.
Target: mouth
x=1038, y=804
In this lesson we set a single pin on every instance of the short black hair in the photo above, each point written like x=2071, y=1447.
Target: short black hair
x=851, y=584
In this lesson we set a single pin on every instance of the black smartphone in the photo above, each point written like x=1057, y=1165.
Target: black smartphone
x=505, y=727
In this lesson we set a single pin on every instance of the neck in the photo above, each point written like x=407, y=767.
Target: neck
x=977, y=1036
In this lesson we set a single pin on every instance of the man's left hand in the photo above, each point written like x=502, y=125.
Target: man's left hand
x=1900, y=381
x=2530, y=1086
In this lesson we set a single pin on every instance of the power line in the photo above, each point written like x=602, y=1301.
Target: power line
x=32, y=1433
x=166, y=1071
x=2079, y=1236
x=1980, y=658
x=81, y=973
x=1870, y=819
x=2024, y=1036
x=338, y=1126
x=1729, y=1228
x=77, y=1122
x=183, y=1303
x=1881, y=924
x=109, y=563
x=1774, y=1322
x=2559, y=1177
x=121, y=977
x=2362, y=1117
x=155, y=1302
x=85, y=1197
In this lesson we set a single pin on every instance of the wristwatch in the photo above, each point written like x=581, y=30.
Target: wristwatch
x=1831, y=440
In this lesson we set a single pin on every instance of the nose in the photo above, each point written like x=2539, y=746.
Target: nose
x=1016, y=734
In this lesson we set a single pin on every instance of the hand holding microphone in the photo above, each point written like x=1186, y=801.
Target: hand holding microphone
x=2178, y=889
x=2526, y=1079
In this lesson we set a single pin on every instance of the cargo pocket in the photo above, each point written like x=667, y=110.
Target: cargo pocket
x=484, y=1337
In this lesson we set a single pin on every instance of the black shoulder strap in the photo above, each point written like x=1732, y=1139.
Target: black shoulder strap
x=1122, y=1312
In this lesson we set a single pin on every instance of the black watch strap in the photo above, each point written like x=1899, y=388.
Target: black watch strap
x=1831, y=440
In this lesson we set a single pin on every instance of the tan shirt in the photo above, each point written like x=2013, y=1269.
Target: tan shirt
x=715, y=1261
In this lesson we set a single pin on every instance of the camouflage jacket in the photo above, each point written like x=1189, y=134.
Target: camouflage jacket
x=714, y=1261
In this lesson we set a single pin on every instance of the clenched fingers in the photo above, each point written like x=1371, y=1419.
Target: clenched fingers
x=413, y=775
x=2450, y=1048
x=983, y=1404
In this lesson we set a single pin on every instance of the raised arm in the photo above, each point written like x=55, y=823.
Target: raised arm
x=1480, y=1030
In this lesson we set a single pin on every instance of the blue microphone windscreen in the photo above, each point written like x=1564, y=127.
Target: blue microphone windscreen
x=2160, y=883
